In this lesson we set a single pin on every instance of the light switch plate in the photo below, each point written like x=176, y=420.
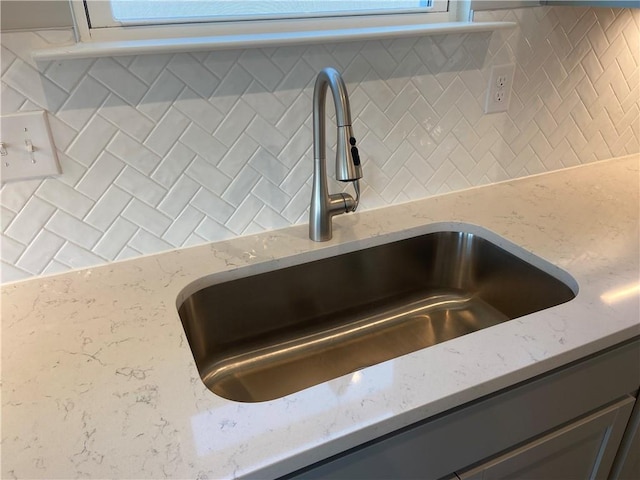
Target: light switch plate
x=27, y=149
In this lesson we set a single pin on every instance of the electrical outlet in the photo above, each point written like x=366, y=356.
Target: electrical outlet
x=499, y=88
x=26, y=147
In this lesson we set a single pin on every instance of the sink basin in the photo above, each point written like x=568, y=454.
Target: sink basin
x=268, y=335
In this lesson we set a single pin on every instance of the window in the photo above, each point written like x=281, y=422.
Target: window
x=152, y=19
x=135, y=27
x=143, y=12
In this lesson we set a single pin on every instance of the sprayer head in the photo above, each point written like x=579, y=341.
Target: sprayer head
x=348, y=166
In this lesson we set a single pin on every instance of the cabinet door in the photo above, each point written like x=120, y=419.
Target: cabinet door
x=584, y=449
x=627, y=463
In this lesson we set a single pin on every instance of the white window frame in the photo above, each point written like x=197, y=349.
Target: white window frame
x=443, y=12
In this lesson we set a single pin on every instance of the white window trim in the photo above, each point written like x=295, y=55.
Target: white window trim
x=101, y=16
x=115, y=32
x=257, y=33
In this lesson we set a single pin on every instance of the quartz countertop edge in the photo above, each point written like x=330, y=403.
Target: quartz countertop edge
x=98, y=379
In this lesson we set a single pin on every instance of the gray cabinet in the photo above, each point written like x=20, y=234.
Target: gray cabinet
x=559, y=421
x=583, y=449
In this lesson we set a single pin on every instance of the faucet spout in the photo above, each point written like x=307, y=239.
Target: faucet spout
x=348, y=168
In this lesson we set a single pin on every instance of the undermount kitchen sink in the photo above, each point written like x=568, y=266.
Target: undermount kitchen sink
x=267, y=335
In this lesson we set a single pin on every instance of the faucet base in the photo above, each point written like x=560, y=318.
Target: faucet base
x=320, y=226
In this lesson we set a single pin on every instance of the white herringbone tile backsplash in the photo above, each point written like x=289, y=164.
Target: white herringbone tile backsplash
x=165, y=151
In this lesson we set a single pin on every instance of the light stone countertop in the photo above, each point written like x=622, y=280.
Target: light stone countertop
x=98, y=380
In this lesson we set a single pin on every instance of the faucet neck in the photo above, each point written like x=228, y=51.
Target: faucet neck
x=328, y=78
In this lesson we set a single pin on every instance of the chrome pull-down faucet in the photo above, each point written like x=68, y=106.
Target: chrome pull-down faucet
x=348, y=169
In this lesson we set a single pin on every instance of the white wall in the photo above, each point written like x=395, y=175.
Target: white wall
x=166, y=151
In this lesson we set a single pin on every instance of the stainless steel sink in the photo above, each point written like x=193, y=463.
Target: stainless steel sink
x=268, y=335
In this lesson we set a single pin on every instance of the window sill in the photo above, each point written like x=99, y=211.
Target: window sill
x=225, y=42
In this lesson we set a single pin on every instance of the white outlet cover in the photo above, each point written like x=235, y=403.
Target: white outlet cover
x=499, y=92
x=17, y=132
